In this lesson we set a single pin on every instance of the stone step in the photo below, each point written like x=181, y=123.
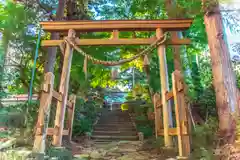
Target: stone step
x=8, y=143
x=105, y=140
x=133, y=138
x=114, y=129
x=114, y=119
x=109, y=119
x=116, y=114
x=115, y=124
x=80, y=156
x=114, y=133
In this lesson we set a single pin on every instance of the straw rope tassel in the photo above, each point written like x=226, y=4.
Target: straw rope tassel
x=114, y=73
x=146, y=60
x=85, y=70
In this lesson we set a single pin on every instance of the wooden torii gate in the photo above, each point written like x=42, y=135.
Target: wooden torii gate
x=114, y=26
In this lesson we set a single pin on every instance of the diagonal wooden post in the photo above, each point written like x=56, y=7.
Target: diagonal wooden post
x=157, y=113
x=63, y=89
x=43, y=114
x=71, y=110
x=181, y=115
x=164, y=89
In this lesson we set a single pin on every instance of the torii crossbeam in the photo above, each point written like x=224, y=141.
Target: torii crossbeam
x=115, y=26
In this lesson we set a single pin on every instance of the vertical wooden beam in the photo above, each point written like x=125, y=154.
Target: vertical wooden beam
x=63, y=89
x=181, y=115
x=157, y=113
x=44, y=113
x=71, y=110
x=170, y=4
x=164, y=89
x=115, y=34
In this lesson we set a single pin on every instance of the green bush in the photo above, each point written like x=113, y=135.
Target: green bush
x=141, y=118
x=21, y=116
x=60, y=153
x=124, y=107
x=139, y=110
x=203, y=138
x=85, y=116
x=147, y=130
x=82, y=126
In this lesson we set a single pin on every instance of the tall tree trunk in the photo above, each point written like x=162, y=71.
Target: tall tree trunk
x=52, y=51
x=224, y=80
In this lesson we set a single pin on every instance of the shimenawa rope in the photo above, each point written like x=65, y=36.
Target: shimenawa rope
x=146, y=51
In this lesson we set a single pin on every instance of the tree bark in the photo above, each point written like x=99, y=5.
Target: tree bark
x=224, y=80
x=52, y=51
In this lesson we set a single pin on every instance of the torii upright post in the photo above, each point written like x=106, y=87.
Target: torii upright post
x=43, y=113
x=63, y=89
x=164, y=89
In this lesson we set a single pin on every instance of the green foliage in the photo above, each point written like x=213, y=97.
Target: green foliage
x=201, y=91
x=82, y=126
x=143, y=124
x=139, y=110
x=141, y=118
x=18, y=41
x=237, y=71
x=147, y=130
x=124, y=107
x=21, y=115
x=159, y=142
x=203, y=137
x=60, y=153
x=85, y=116
x=140, y=92
x=20, y=121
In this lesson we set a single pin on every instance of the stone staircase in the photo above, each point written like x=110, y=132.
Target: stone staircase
x=115, y=125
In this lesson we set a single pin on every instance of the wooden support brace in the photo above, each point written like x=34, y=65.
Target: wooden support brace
x=43, y=114
x=181, y=115
x=71, y=110
x=157, y=113
x=172, y=132
x=180, y=86
x=57, y=96
x=169, y=95
x=45, y=87
x=40, y=130
x=69, y=104
x=51, y=132
x=63, y=89
x=56, y=130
